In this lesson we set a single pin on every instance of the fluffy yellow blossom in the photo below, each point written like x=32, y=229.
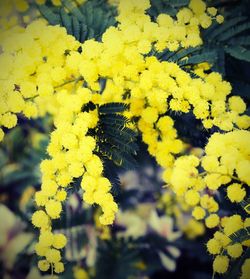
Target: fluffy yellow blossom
x=59, y=267
x=40, y=219
x=59, y=241
x=235, y=192
x=212, y=221
x=53, y=255
x=198, y=213
x=233, y=224
x=53, y=208
x=192, y=197
x=43, y=265
x=220, y=264
x=237, y=104
x=214, y=246
x=46, y=238
x=235, y=250
x=219, y=19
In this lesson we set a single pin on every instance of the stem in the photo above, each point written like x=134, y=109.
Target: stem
x=232, y=176
x=52, y=271
x=69, y=81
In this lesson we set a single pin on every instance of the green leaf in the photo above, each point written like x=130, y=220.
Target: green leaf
x=73, y=9
x=178, y=3
x=199, y=58
x=129, y=148
x=119, y=158
x=90, y=16
x=47, y=13
x=220, y=29
x=170, y=7
x=126, y=137
x=242, y=40
x=76, y=28
x=66, y=21
x=239, y=52
x=84, y=33
x=184, y=53
x=91, y=33
x=240, y=236
x=112, y=108
x=234, y=31
x=219, y=64
x=115, y=141
x=245, y=204
x=116, y=259
x=114, y=119
x=86, y=21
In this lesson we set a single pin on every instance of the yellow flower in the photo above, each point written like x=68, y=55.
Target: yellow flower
x=40, y=219
x=53, y=255
x=198, y=213
x=235, y=192
x=192, y=197
x=220, y=264
x=214, y=246
x=219, y=19
x=59, y=241
x=59, y=267
x=43, y=265
x=235, y=250
x=212, y=221
x=53, y=208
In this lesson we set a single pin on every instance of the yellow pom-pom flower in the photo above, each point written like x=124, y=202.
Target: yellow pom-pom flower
x=220, y=264
x=212, y=221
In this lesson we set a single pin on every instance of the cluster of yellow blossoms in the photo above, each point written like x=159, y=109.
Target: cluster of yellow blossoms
x=226, y=159
x=47, y=71
x=224, y=247
x=225, y=164
x=72, y=156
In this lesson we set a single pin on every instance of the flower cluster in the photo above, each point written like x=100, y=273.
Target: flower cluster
x=48, y=71
x=32, y=71
x=226, y=161
x=225, y=248
x=33, y=84
x=226, y=164
x=71, y=150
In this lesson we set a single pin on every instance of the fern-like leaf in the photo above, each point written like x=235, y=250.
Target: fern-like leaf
x=234, y=31
x=49, y=15
x=112, y=108
x=86, y=21
x=217, y=29
x=240, y=235
x=73, y=9
x=77, y=28
x=66, y=21
x=116, y=142
x=170, y=7
x=116, y=260
x=241, y=40
x=199, y=58
x=239, y=52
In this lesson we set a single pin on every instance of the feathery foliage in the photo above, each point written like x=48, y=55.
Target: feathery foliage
x=116, y=141
x=116, y=260
x=86, y=21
